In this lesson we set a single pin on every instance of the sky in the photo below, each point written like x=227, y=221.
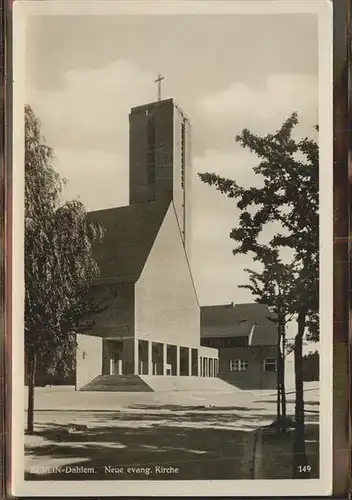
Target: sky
x=83, y=74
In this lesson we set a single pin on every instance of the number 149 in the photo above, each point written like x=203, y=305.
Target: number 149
x=304, y=468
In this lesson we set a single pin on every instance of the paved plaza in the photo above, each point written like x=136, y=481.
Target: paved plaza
x=191, y=435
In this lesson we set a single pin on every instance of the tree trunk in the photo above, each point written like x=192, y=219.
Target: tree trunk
x=300, y=461
x=31, y=384
x=278, y=402
x=278, y=375
x=283, y=390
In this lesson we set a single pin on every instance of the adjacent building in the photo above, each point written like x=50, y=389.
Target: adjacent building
x=246, y=338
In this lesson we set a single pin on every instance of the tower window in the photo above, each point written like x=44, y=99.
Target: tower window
x=151, y=155
x=183, y=152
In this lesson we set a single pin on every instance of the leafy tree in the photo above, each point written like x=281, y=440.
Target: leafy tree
x=290, y=198
x=59, y=265
x=273, y=287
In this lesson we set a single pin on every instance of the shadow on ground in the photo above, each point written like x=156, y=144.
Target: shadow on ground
x=277, y=451
x=176, y=407
x=288, y=401
x=227, y=454
x=200, y=444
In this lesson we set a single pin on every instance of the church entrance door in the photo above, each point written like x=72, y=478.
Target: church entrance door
x=115, y=365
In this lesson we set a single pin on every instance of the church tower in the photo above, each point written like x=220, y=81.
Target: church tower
x=160, y=156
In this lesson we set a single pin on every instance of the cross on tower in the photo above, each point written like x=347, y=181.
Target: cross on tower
x=158, y=81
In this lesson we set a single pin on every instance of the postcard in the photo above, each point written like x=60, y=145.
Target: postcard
x=172, y=252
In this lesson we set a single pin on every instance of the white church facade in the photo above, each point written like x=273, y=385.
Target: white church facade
x=150, y=320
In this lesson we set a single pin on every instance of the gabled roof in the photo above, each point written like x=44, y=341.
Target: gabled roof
x=129, y=236
x=238, y=320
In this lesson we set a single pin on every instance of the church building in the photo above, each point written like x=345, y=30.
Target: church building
x=150, y=322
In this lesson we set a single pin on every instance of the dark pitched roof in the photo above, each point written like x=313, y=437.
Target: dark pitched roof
x=237, y=321
x=129, y=236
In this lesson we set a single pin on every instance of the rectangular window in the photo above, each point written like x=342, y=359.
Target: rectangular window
x=238, y=365
x=183, y=152
x=151, y=147
x=216, y=367
x=270, y=364
x=151, y=156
